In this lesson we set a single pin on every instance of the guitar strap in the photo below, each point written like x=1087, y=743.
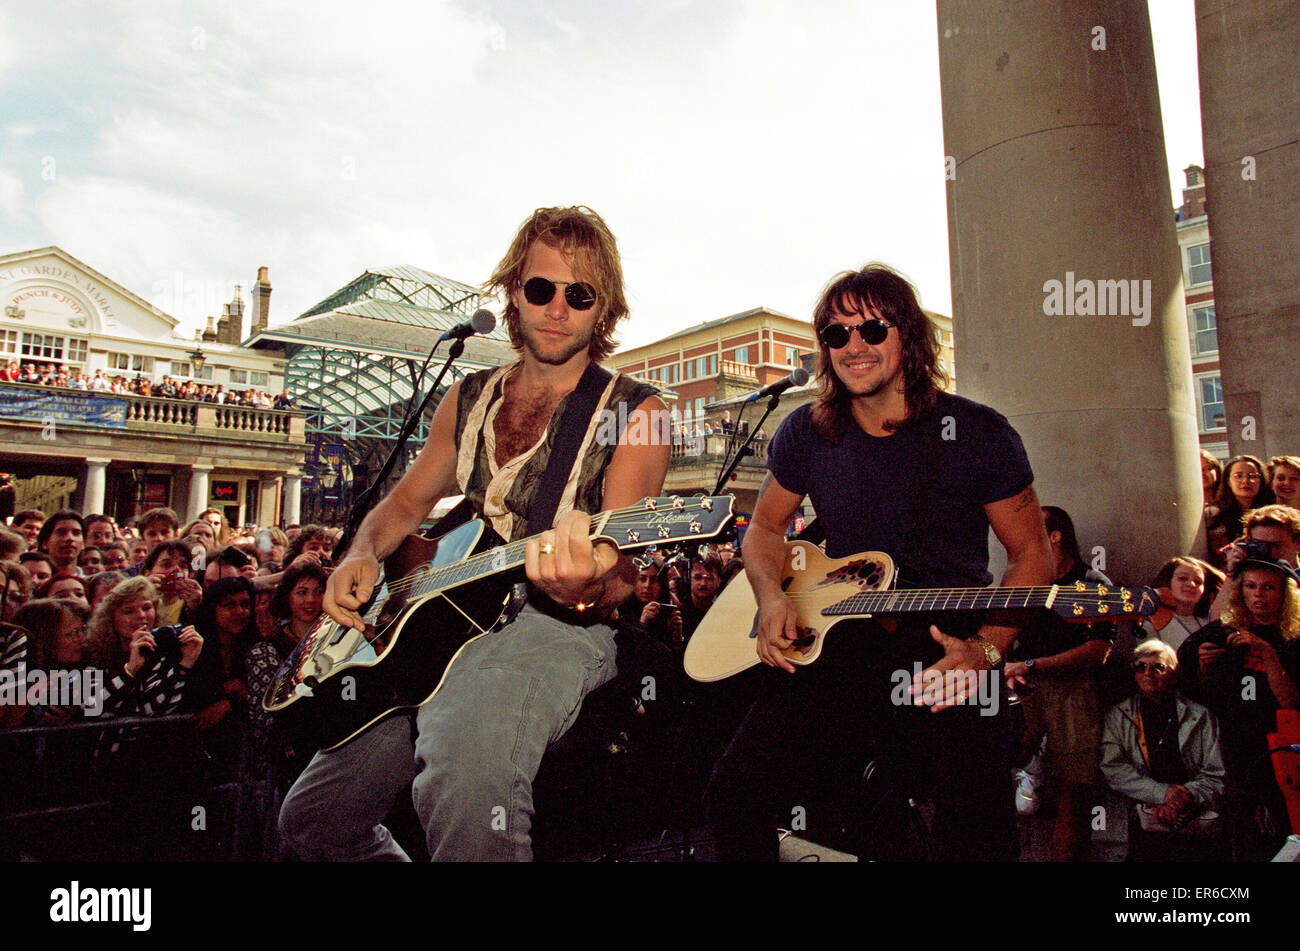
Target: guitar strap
x=921, y=505
x=564, y=450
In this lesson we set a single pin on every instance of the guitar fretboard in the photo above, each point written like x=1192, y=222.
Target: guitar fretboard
x=1064, y=599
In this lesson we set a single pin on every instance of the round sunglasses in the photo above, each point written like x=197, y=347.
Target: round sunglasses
x=540, y=291
x=873, y=331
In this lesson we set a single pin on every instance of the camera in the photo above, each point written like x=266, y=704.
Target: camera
x=168, y=641
x=1261, y=551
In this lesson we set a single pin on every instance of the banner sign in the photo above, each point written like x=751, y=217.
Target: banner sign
x=43, y=408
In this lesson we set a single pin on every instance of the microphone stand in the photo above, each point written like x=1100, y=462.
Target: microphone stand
x=361, y=505
x=744, y=449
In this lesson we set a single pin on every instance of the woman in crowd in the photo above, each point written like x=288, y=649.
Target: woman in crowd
x=1245, y=667
x=202, y=529
x=168, y=566
x=296, y=605
x=649, y=606
x=64, y=585
x=115, y=557
x=1244, y=487
x=1284, y=479
x=1161, y=750
x=225, y=619
x=217, y=519
x=98, y=586
x=90, y=560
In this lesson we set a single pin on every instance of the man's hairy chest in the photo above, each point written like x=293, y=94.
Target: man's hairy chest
x=520, y=423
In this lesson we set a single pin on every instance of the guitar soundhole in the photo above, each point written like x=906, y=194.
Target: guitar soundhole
x=864, y=573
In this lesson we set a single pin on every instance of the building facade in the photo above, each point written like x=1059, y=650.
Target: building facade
x=1193, y=230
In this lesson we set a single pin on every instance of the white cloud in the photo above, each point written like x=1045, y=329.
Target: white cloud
x=12, y=206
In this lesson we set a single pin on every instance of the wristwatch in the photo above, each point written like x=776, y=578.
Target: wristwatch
x=1031, y=663
x=991, y=652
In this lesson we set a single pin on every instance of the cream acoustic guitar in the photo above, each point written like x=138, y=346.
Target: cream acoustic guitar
x=826, y=591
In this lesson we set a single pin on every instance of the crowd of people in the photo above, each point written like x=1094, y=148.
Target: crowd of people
x=162, y=620
x=50, y=374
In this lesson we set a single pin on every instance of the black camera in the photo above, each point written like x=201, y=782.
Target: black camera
x=168, y=641
x=1260, y=551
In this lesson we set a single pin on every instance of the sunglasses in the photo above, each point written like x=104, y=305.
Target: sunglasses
x=1141, y=667
x=873, y=331
x=539, y=291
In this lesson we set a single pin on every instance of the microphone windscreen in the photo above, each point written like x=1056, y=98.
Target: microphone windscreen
x=484, y=321
x=799, y=376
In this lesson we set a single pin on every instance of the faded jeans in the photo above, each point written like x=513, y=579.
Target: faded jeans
x=478, y=745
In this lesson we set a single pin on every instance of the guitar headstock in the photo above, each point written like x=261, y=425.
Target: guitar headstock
x=666, y=519
x=1085, y=603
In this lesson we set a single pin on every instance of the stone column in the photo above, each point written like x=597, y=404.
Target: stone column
x=292, y=497
x=1250, y=92
x=93, y=497
x=1067, y=288
x=198, y=491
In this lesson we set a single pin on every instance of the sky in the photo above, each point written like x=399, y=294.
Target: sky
x=742, y=151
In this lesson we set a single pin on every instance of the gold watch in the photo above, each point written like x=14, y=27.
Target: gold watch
x=991, y=652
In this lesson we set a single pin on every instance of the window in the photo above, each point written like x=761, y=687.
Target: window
x=1205, y=335
x=1198, y=264
x=180, y=369
x=77, y=350
x=205, y=373
x=791, y=357
x=742, y=354
x=131, y=362
x=9, y=341
x=239, y=376
x=1209, y=395
x=42, y=346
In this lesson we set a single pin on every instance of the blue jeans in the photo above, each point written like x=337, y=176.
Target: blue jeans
x=478, y=745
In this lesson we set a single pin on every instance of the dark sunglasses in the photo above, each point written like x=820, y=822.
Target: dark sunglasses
x=873, y=331
x=1141, y=667
x=539, y=291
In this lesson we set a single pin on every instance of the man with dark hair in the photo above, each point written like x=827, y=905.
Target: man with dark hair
x=38, y=565
x=62, y=537
x=891, y=463
x=479, y=741
x=28, y=524
x=99, y=531
x=1059, y=662
x=697, y=592
x=158, y=525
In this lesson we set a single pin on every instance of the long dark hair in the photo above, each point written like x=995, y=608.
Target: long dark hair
x=1230, y=510
x=893, y=299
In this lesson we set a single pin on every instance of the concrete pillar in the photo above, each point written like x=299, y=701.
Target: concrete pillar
x=1250, y=91
x=1057, y=182
x=292, y=497
x=93, y=496
x=198, y=491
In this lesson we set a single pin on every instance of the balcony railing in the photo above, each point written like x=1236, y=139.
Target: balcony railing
x=710, y=450
x=33, y=403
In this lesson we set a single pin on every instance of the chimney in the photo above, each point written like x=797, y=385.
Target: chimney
x=261, y=301
x=231, y=326
x=210, y=335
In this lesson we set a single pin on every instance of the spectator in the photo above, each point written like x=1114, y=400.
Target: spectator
x=649, y=607
x=62, y=538
x=1284, y=478
x=12, y=545
x=229, y=562
x=202, y=530
x=158, y=525
x=137, y=551
x=1211, y=474
x=315, y=541
x=39, y=567
x=1161, y=751
x=1277, y=526
x=1243, y=488
x=695, y=597
x=100, y=531
x=100, y=383
x=115, y=557
x=90, y=561
x=28, y=523
x=8, y=497
x=283, y=401
x=98, y=586
x=1182, y=585
x=1245, y=667
x=17, y=589
x=220, y=527
x=168, y=567
x=1059, y=661
x=220, y=696
x=65, y=585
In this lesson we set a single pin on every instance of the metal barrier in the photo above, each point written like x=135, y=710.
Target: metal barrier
x=244, y=792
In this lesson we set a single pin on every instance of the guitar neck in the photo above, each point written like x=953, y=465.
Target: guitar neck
x=1067, y=600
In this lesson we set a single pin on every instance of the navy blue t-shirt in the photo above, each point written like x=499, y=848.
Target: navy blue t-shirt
x=860, y=486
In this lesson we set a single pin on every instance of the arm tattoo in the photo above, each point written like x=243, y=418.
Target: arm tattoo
x=1026, y=499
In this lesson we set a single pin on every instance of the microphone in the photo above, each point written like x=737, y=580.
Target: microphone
x=482, y=322
x=798, y=378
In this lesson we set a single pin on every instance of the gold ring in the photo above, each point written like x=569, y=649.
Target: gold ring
x=547, y=548
x=581, y=606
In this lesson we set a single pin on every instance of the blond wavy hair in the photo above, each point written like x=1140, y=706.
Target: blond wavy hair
x=1237, y=615
x=103, y=646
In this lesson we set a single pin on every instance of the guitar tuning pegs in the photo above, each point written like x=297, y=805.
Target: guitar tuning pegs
x=652, y=504
x=679, y=503
x=696, y=527
x=1080, y=586
x=663, y=531
x=706, y=503
x=633, y=536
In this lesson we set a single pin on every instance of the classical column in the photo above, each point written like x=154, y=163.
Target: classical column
x=198, y=491
x=1067, y=288
x=292, y=497
x=93, y=497
x=1250, y=92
